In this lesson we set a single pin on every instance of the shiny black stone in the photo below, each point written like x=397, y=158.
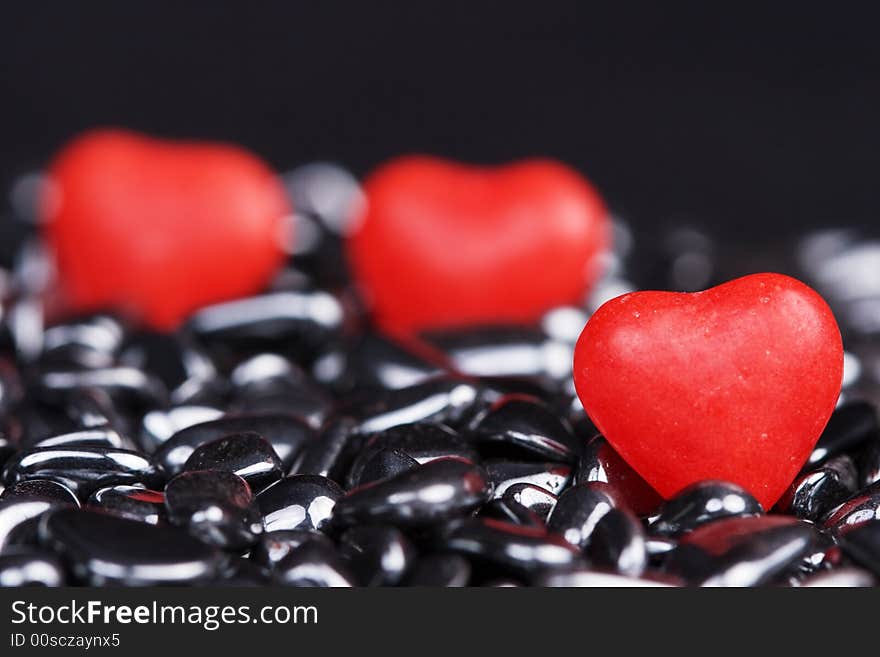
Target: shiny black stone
x=273, y=546
x=384, y=464
x=286, y=434
x=509, y=510
x=423, y=442
x=814, y=493
x=246, y=454
x=186, y=372
x=439, y=570
x=374, y=360
x=537, y=500
x=584, y=577
x=315, y=563
x=25, y=567
x=104, y=549
x=600, y=462
x=216, y=507
x=130, y=502
x=84, y=469
x=857, y=510
x=330, y=454
x=869, y=464
x=89, y=342
x=552, y=477
x=578, y=510
x=127, y=386
x=243, y=572
x=107, y=438
x=159, y=425
x=442, y=400
x=618, y=542
x=378, y=555
x=299, y=502
x=703, y=502
x=40, y=490
x=519, y=424
x=441, y=489
x=18, y=520
x=521, y=550
x=862, y=545
x=742, y=551
x=850, y=426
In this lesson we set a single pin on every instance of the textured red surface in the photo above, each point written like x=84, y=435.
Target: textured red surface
x=159, y=228
x=733, y=383
x=443, y=244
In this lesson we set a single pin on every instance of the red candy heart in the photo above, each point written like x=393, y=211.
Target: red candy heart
x=733, y=383
x=444, y=245
x=160, y=228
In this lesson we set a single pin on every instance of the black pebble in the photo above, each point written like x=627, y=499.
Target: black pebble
x=862, y=545
x=130, y=502
x=618, y=542
x=25, y=567
x=857, y=510
x=378, y=555
x=299, y=502
x=814, y=493
x=703, y=502
x=246, y=454
x=849, y=427
x=537, y=500
x=578, y=510
x=314, y=563
x=40, y=490
x=439, y=570
x=552, y=477
x=384, y=464
x=273, y=546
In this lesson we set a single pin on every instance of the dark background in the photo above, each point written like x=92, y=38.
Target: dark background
x=744, y=121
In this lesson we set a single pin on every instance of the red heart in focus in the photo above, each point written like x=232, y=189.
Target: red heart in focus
x=159, y=228
x=444, y=245
x=733, y=383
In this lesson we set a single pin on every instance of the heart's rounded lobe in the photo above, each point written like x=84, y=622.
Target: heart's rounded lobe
x=159, y=228
x=733, y=383
x=444, y=245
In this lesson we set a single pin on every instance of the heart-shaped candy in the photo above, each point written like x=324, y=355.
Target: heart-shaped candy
x=159, y=228
x=444, y=245
x=733, y=383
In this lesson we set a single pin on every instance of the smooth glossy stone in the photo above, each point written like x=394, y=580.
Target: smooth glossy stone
x=578, y=510
x=18, y=519
x=128, y=386
x=34, y=420
x=523, y=424
x=186, y=372
x=93, y=408
x=504, y=351
x=331, y=452
x=30, y=568
x=438, y=490
x=840, y=578
x=862, y=507
x=850, y=426
x=243, y=572
x=509, y=510
x=273, y=546
x=130, y=502
x=659, y=546
x=552, y=477
x=582, y=577
x=824, y=554
x=535, y=499
x=269, y=383
x=44, y=490
x=84, y=469
x=299, y=502
x=600, y=462
x=384, y=464
x=437, y=400
x=90, y=343
x=315, y=563
x=703, y=502
x=618, y=542
x=869, y=464
x=216, y=507
x=742, y=551
x=159, y=425
x=439, y=570
x=375, y=360
x=378, y=555
x=106, y=438
x=424, y=442
x=246, y=454
x=862, y=545
x=107, y=550
x=816, y=492
x=286, y=434
x=522, y=550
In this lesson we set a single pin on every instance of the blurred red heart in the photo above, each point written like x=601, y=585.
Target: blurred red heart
x=734, y=383
x=159, y=228
x=444, y=245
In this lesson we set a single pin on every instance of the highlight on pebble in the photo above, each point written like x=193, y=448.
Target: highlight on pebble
x=282, y=353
